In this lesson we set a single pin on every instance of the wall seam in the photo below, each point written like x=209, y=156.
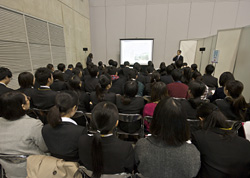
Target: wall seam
x=190, y=9
x=237, y=14
x=105, y=13
x=166, y=31
x=212, y=19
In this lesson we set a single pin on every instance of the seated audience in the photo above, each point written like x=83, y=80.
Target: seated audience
x=102, y=152
x=166, y=153
x=159, y=92
x=195, y=91
x=20, y=134
x=194, y=68
x=102, y=91
x=68, y=73
x=5, y=76
x=132, y=76
x=75, y=84
x=141, y=77
x=177, y=89
x=167, y=77
x=187, y=75
x=223, y=153
x=91, y=81
x=117, y=82
x=61, y=135
x=58, y=81
x=208, y=79
x=178, y=64
x=154, y=77
x=43, y=97
x=234, y=106
x=126, y=69
x=26, y=82
x=130, y=104
x=62, y=68
x=50, y=67
x=219, y=92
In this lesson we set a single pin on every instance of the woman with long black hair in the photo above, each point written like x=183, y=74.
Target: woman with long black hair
x=102, y=152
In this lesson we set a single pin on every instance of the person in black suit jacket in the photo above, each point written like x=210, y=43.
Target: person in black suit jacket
x=68, y=73
x=61, y=135
x=58, y=81
x=223, y=153
x=5, y=76
x=102, y=152
x=208, y=79
x=91, y=81
x=178, y=56
x=43, y=97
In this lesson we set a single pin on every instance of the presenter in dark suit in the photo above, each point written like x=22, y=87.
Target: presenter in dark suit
x=5, y=76
x=43, y=97
x=178, y=56
x=61, y=135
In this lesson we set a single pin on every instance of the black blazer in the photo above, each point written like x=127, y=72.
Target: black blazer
x=167, y=79
x=108, y=96
x=222, y=155
x=62, y=141
x=210, y=81
x=43, y=98
x=58, y=85
x=91, y=83
x=27, y=91
x=176, y=58
x=135, y=107
x=118, y=85
x=218, y=94
x=4, y=89
x=118, y=155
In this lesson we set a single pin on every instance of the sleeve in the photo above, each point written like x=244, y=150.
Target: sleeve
x=194, y=140
x=129, y=163
x=36, y=133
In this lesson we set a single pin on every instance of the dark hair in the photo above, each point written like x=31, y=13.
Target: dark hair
x=176, y=74
x=132, y=73
x=104, y=119
x=76, y=71
x=224, y=77
x=70, y=66
x=185, y=64
x=236, y=99
x=150, y=63
x=100, y=63
x=212, y=117
x=90, y=55
x=194, y=67
x=50, y=66
x=25, y=79
x=169, y=69
x=130, y=90
x=93, y=70
x=64, y=102
x=112, y=70
x=11, y=105
x=197, y=76
x=126, y=63
x=61, y=67
x=162, y=69
x=137, y=67
x=179, y=51
x=104, y=81
x=155, y=77
x=58, y=75
x=79, y=66
x=74, y=83
x=169, y=123
x=5, y=72
x=150, y=69
x=187, y=75
x=110, y=62
x=178, y=63
x=197, y=88
x=42, y=75
x=209, y=69
x=158, y=91
x=114, y=64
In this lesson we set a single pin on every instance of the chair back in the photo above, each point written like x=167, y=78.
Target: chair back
x=129, y=117
x=80, y=118
x=148, y=118
x=39, y=114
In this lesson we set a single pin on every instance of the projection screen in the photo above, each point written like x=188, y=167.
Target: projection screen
x=136, y=50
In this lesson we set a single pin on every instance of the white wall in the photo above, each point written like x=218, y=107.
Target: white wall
x=167, y=21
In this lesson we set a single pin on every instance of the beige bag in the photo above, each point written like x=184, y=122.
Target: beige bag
x=41, y=166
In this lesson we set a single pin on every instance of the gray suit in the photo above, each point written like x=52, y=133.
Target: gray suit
x=22, y=136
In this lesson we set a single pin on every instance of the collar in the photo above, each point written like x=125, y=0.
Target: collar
x=45, y=86
x=67, y=119
x=106, y=135
x=3, y=83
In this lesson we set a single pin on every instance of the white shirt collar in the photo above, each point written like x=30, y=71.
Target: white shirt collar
x=67, y=119
x=44, y=86
x=3, y=83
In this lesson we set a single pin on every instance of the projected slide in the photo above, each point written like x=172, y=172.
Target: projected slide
x=136, y=50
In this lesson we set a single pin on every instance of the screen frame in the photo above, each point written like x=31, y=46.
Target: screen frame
x=137, y=39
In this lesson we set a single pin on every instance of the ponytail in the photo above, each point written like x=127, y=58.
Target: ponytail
x=97, y=156
x=126, y=100
x=54, y=116
x=239, y=106
x=104, y=81
x=100, y=93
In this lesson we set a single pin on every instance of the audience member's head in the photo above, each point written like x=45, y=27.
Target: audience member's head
x=155, y=77
x=137, y=67
x=44, y=76
x=196, y=89
x=93, y=71
x=211, y=117
x=13, y=105
x=58, y=75
x=169, y=123
x=126, y=63
x=112, y=70
x=111, y=62
x=130, y=90
x=115, y=64
x=70, y=66
x=209, y=69
x=79, y=66
x=5, y=75
x=100, y=63
x=105, y=84
x=169, y=69
x=50, y=67
x=196, y=76
x=77, y=72
x=163, y=68
x=150, y=63
x=150, y=69
x=176, y=74
x=185, y=64
x=132, y=74
x=224, y=77
x=75, y=83
x=61, y=67
x=26, y=80
x=158, y=91
x=187, y=75
x=66, y=104
x=104, y=119
x=90, y=56
x=178, y=64
x=194, y=67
